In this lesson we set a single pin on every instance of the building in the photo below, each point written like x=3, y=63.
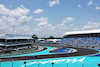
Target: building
x=9, y=42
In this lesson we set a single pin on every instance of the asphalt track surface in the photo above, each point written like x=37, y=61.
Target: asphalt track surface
x=80, y=52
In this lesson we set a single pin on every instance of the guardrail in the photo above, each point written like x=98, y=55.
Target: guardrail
x=64, y=45
x=50, y=64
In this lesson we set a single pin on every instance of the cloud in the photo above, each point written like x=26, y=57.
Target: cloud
x=42, y=19
x=6, y=19
x=44, y=24
x=91, y=26
x=97, y=8
x=67, y=19
x=90, y=3
x=24, y=19
x=19, y=11
x=63, y=27
x=15, y=21
x=47, y=29
x=75, y=29
x=14, y=17
x=23, y=30
x=54, y=2
x=38, y=11
x=71, y=25
x=3, y=26
x=6, y=24
x=79, y=5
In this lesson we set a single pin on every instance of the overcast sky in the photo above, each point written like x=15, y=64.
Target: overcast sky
x=48, y=17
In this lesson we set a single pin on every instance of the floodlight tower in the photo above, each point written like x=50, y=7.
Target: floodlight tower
x=13, y=29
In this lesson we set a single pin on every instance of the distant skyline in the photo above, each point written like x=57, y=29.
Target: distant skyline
x=48, y=17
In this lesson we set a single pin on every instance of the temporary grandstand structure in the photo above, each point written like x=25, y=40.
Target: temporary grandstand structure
x=11, y=41
x=87, y=38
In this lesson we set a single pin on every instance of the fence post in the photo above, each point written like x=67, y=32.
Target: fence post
x=52, y=64
x=0, y=62
x=38, y=63
x=82, y=64
x=67, y=64
x=12, y=63
x=25, y=63
x=98, y=64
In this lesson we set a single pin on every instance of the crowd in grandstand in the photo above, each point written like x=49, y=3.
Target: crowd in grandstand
x=81, y=40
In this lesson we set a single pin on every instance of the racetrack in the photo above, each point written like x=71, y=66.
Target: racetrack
x=80, y=52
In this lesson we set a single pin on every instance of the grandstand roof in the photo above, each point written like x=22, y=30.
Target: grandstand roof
x=82, y=32
x=14, y=36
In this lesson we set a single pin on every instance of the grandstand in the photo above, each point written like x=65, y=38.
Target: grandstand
x=89, y=38
x=15, y=42
x=60, y=55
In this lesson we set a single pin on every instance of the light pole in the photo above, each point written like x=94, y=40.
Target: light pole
x=13, y=29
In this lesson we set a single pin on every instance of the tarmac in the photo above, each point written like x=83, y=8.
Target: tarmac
x=80, y=52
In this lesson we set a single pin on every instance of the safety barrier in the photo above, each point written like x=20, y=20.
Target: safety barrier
x=50, y=64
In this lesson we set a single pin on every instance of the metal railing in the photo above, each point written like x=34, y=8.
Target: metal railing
x=50, y=64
